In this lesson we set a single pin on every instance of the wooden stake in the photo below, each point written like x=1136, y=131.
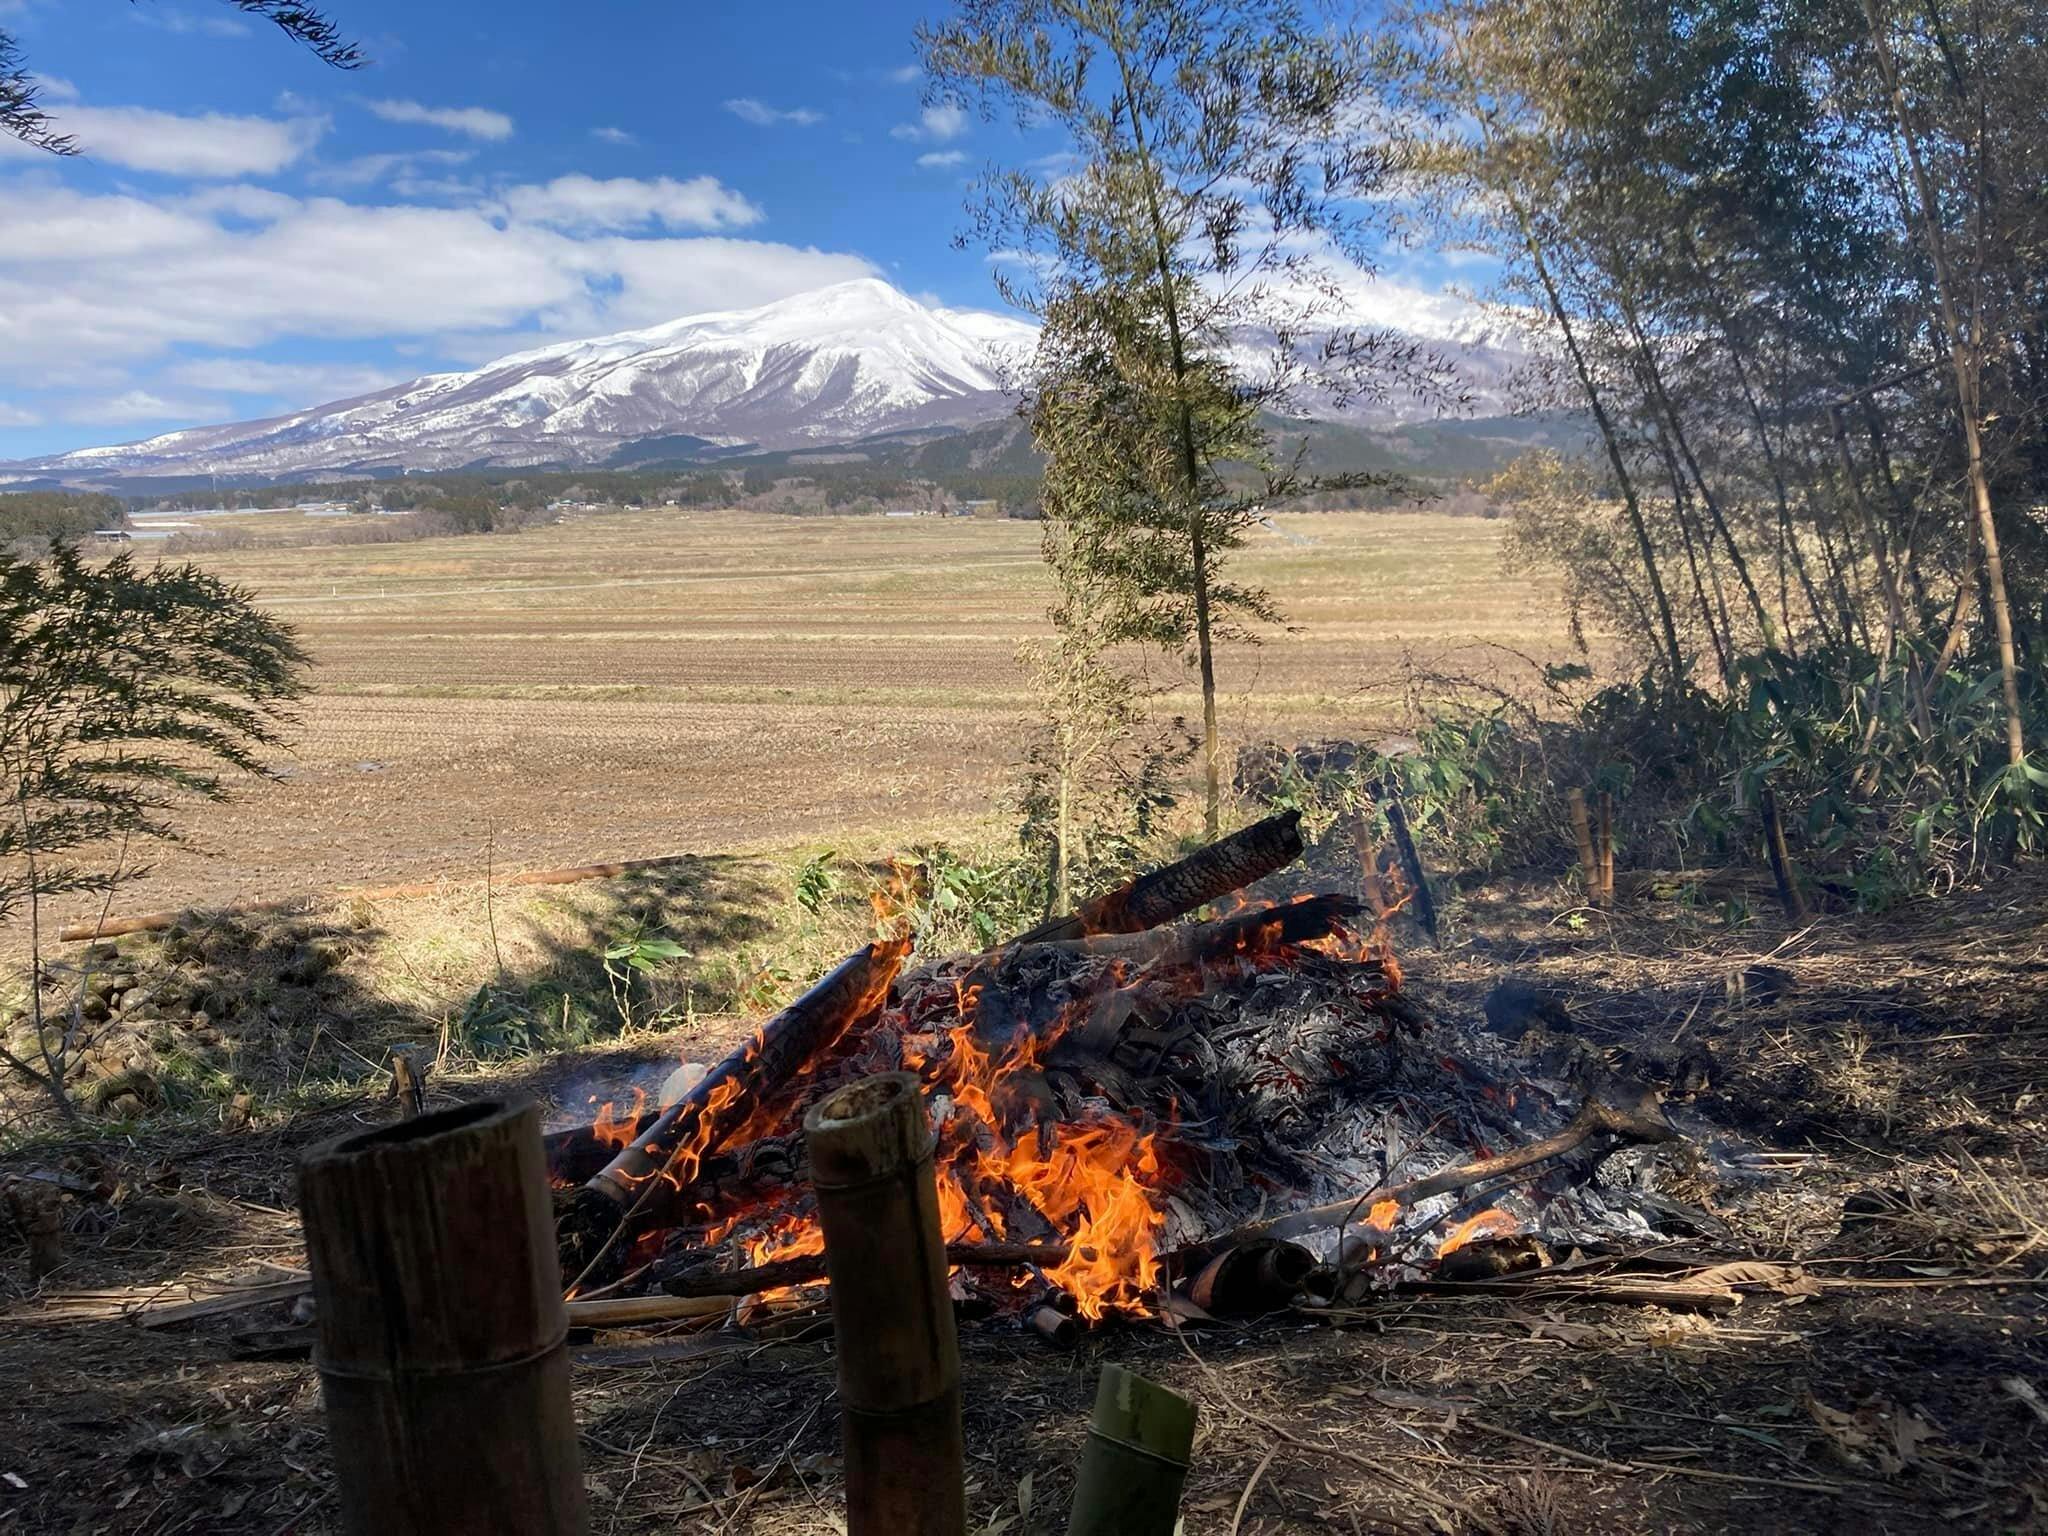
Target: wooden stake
x=1582, y=832
x=1135, y=1461
x=1782, y=869
x=899, y=1357
x=409, y=1081
x=439, y=1305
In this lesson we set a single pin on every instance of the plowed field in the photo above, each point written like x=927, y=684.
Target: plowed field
x=645, y=683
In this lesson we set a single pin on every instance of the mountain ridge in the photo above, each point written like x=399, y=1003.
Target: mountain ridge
x=850, y=362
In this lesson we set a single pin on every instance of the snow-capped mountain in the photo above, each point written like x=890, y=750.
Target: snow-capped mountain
x=855, y=360
x=848, y=361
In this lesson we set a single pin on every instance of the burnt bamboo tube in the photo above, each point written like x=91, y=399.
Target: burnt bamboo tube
x=899, y=1357
x=1135, y=1461
x=1606, y=848
x=727, y=1096
x=1421, y=902
x=441, y=1330
x=1206, y=875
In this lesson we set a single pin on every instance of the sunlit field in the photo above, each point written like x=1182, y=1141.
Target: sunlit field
x=643, y=683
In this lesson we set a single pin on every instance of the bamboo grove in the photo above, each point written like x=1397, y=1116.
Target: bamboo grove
x=1789, y=259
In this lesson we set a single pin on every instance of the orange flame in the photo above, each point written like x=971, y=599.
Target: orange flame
x=613, y=1131
x=1095, y=1183
x=1488, y=1223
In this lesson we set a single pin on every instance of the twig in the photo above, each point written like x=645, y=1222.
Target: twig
x=1655, y=1468
x=1245, y=1498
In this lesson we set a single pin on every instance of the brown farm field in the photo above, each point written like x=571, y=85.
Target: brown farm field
x=643, y=683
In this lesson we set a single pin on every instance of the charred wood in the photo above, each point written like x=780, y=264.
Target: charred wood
x=1205, y=875
x=810, y=1268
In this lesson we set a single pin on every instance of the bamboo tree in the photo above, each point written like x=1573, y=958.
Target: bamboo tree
x=1502, y=185
x=1966, y=360
x=1216, y=171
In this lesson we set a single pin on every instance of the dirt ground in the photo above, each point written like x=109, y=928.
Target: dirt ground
x=635, y=684
x=1864, y=1099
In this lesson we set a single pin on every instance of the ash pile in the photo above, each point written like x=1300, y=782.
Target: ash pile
x=1138, y=1115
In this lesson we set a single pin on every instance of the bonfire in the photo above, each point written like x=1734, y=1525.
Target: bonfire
x=1132, y=1115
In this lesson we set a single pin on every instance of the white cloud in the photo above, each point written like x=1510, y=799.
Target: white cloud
x=212, y=145
x=935, y=125
x=609, y=135
x=470, y=122
x=584, y=204
x=905, y=74
x=135, y=405
x=364, y=170
x=300, y=383
x=938, y=159
x=761, y=115
x=14, y=415
x=111, y=281
x=206, y=24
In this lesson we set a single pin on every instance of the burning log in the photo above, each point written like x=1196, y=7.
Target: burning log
x=899, y=1357
x=809, y=1268
x=742, y=1089
x=441, y=1329
x=582, y=1151
x=1203, y=876
x=1630, y=1115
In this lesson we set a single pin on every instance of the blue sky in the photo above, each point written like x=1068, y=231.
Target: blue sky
x=250, y=231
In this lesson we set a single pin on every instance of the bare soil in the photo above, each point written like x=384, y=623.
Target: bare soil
x=1890, y=1064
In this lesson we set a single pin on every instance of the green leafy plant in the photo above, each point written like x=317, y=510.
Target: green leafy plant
x=817, y=882
x=125, y=691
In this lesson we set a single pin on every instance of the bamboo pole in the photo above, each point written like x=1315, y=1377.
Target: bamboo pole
x=1783, y=872
x=1422, y=903
x=441, y=1330
x=1135, y=1461
x=1208, y=874
x=899, y=1357
x=1606, y=849
x=1582, y=832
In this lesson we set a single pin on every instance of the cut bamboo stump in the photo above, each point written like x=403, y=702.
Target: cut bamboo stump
x=899, y=1357
x=441, y=1328
x=1135, y=1461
